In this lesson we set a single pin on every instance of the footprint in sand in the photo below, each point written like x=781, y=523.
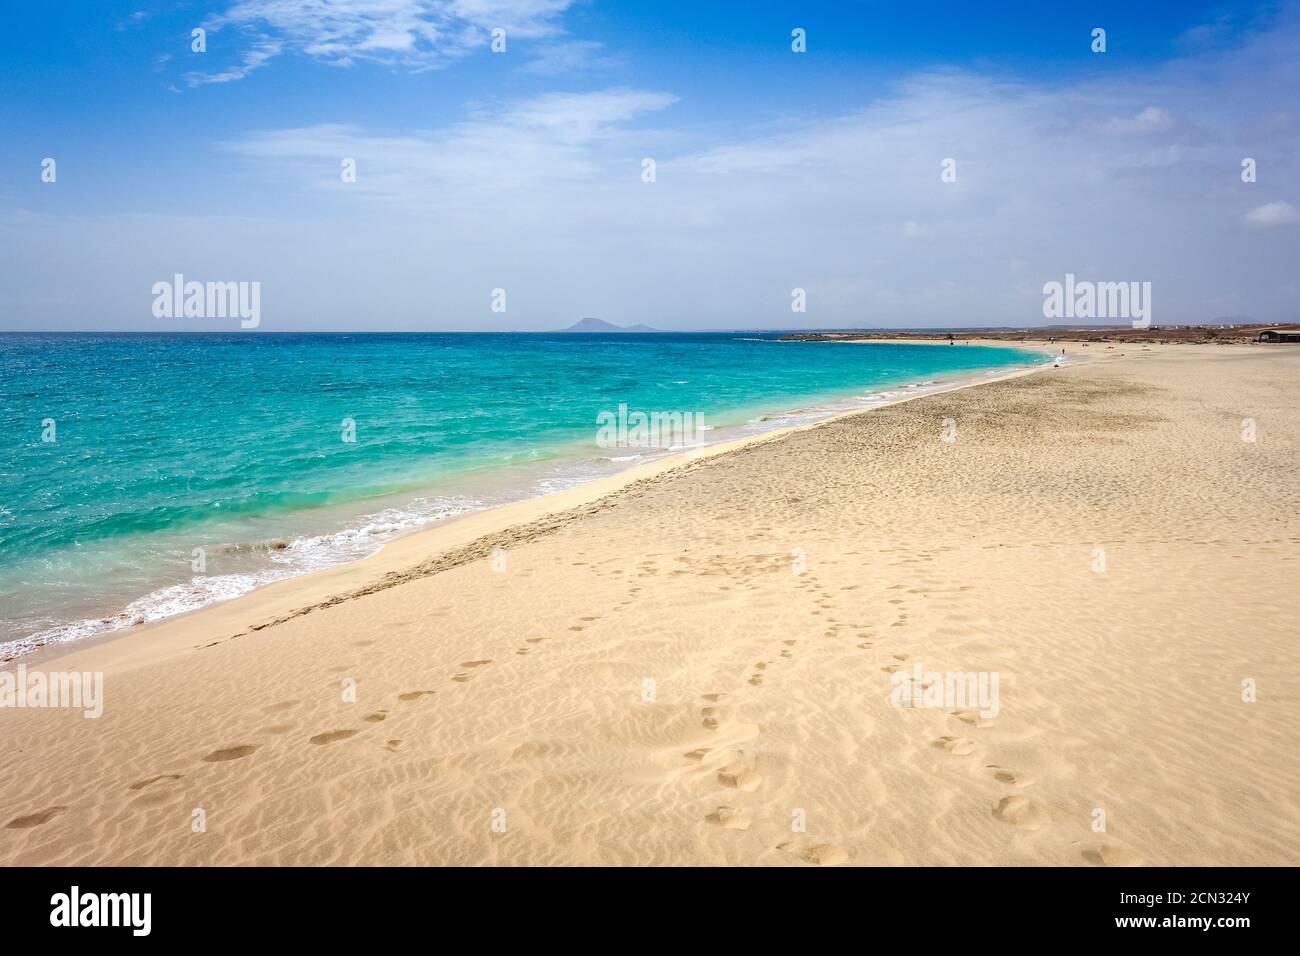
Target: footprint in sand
x=714, y=698
x=415, y=694
x=393, y=746
x=698, y=754
x=756, y=680
x=332, y=736
x=957, y=746
x=710, y=718
x=230, y=753
x=1007, y=775
x=818, y=854
x=376, y=717
x=462, y=678
x=973, y=718
x=741, y=777
x=1020, y=812
x=730, y=818
x=141, y=784
x=34, y=819
x=540, y=750
x=1107, y=855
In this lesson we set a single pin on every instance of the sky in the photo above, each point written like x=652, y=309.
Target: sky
x=524, y=169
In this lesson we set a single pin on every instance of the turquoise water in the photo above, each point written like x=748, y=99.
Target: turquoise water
x=233, y=444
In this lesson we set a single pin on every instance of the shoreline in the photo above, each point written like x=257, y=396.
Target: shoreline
x=407, y=546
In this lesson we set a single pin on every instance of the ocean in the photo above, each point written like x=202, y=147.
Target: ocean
x=146, y=475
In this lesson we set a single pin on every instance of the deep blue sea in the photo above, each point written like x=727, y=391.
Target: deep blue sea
x=145, y=475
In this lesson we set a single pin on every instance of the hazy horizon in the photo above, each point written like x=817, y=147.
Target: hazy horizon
x=1118, y=326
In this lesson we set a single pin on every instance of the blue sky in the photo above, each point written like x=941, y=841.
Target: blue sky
x=521, y=170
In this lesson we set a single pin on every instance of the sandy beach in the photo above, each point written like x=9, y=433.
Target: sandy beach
x=695, y=663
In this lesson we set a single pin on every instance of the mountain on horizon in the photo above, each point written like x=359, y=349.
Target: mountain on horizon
x=600, y=325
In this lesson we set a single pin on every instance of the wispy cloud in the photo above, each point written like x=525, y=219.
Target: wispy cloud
x=568, y=58
x=138, y=18
x=1273, y=214
x=1152, y=119
x=552, y=141
x=411, y=34
x=252, y=59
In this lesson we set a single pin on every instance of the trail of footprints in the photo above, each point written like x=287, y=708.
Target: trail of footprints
x=155, y=789
x=467, y=672
x=1015, y=809
x=734, y=768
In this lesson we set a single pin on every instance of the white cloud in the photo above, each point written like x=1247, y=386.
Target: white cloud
x=251, y=60
x=1273, y=214
x=539, y=145
x=1152, y=119
x=571, y=57
x=414, y=34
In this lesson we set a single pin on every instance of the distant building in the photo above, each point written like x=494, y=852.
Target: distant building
x=1279, y=335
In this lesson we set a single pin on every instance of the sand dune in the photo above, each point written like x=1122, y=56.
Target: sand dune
x=696, y=667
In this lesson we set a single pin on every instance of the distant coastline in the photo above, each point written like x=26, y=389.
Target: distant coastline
x=601, y=326
x=1116, y=334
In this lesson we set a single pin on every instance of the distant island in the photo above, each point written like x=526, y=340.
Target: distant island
x=600, y=325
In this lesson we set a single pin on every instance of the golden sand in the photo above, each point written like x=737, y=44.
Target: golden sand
x=693, y=663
